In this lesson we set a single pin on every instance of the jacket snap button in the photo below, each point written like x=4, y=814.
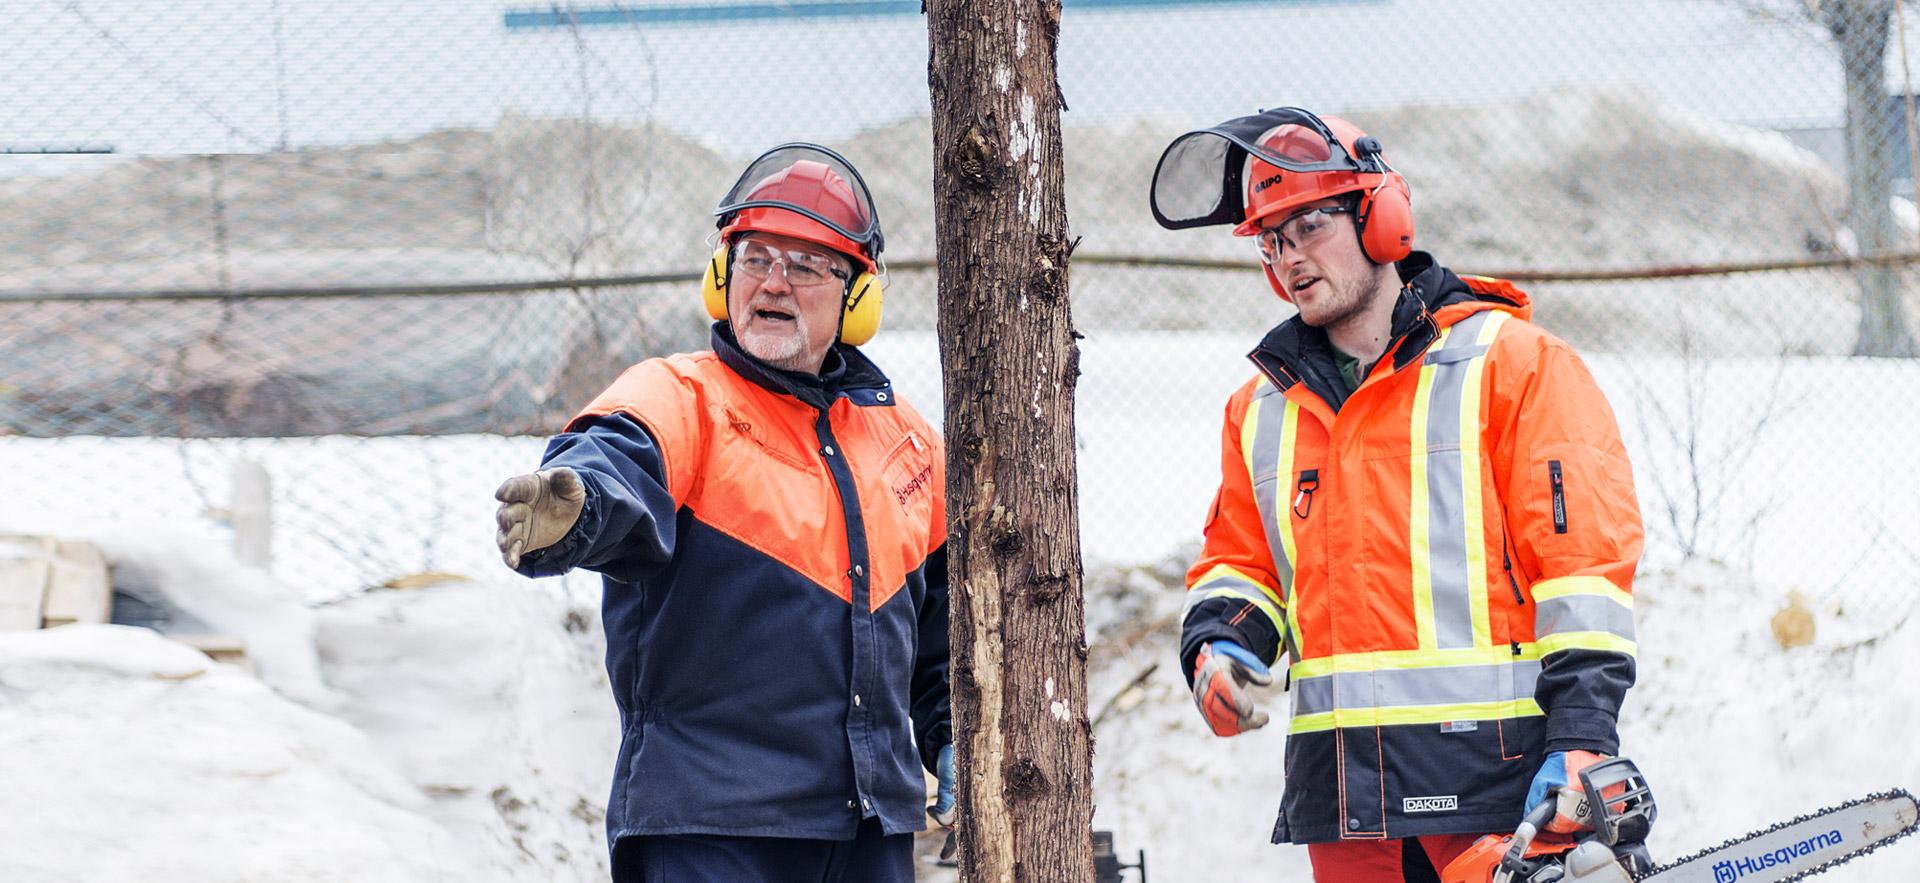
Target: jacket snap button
x=1353, y=824
x=849, y=804
x=856, y=700
x=827, y=451
x=859, y=571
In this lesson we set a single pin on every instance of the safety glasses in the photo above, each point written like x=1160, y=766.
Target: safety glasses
x=1298, y=231
x=805, y=268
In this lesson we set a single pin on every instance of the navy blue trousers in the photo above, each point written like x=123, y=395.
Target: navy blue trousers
x=871, y=857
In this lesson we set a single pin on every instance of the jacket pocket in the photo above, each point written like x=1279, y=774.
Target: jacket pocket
x=1574, y=507
x=908, y=472
x=769, y=446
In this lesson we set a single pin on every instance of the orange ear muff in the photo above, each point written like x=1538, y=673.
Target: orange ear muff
x=1385, y=219
x=860, y=316
x=713, y=286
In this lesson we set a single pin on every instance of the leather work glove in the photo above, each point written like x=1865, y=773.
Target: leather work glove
x=1559, y=780
x=1221, y=674
x=537, y=510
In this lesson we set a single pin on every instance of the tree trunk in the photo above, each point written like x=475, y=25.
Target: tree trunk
x=1859, y=29
x=1022, y=739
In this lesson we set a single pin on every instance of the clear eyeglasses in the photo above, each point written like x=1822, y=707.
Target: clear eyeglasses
x=1302, y=229
x=804, y=267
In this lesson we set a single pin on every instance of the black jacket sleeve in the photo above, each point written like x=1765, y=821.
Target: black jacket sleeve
x=627, y=528
x=932, y=710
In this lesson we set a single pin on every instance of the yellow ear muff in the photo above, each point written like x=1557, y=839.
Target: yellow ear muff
x=713, y=286
x=860, y=318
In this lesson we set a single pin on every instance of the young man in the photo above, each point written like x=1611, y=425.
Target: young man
x=1424, y=502
x=769, y=520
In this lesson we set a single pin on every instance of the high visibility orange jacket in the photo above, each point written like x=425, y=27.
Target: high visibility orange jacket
x=1446, y=555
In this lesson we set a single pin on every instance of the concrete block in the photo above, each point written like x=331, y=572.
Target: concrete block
x=77, y=587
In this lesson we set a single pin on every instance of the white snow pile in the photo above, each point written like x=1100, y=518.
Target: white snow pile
x=460, y=731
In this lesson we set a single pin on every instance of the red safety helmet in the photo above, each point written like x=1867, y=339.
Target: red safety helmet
x=807, y=192
x=1271, y=163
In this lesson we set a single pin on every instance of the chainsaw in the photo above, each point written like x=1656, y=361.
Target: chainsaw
x=1622, y=811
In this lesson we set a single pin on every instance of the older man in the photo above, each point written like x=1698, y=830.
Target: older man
x=769, y=520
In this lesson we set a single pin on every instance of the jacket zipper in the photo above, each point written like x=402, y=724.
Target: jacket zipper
x=1559, y=497
x=1507, y=562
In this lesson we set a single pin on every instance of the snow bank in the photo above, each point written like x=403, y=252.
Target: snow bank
x=129, y=757
x=491, y=699
x=460, y=731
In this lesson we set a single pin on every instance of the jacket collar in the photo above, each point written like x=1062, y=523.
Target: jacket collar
x=846, y=372
x=1295, y=352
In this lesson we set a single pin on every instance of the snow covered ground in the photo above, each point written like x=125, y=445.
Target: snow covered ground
x=461, y=730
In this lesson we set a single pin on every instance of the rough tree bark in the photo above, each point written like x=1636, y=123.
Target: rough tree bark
x=1023, y=741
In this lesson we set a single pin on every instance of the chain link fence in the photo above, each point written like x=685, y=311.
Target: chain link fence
x=379, y=250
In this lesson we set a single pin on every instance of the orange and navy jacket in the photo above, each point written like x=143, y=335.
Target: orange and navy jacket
x=1446, y=555
x=775, y=600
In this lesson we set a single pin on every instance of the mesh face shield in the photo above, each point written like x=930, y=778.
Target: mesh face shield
x=814, y=183
x=1202, y=178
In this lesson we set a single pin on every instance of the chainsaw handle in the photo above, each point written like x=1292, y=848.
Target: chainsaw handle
x=1543, y=813
x=1523, y=836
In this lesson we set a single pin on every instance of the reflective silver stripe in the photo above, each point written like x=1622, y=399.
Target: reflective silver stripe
x=1399, y=688
x=1231, y=584
x=1446, y=489
x=1270, y=421
x=1583, y=613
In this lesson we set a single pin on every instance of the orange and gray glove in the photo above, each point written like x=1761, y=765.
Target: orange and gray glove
x=537, y=510
x=1558, y=781
x=1221, y=674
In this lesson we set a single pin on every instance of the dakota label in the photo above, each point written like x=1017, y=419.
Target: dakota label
x=1448, y=803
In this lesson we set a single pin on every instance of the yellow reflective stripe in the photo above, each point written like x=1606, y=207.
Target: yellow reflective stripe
x=1470, y=477
x=1562, y=586
x=1401, y=659
x=1603, y=641
x=1419, y=546
x=1259, y=602
x=1419, y=714
x=1235, y=574
x=1247, y=425
x=1225, y=581
x=1289, y=435
x=1495, y=319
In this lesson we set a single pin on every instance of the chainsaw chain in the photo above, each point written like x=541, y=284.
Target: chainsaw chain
x=1821, y=869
